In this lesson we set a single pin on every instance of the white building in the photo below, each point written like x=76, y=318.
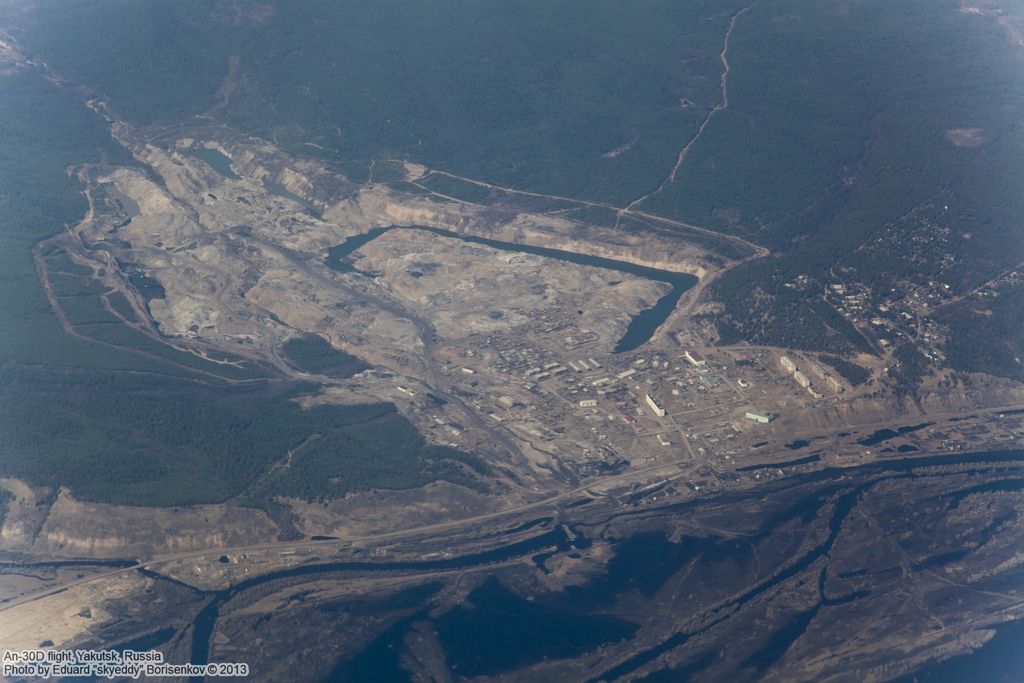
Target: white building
x=788, y=364
x=654, y=406
x=696, y=360
x=763, y=418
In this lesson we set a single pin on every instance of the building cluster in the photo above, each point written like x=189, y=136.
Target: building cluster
x=591, y=407
x=805, y=382
x=830, y=381
x=898, y=307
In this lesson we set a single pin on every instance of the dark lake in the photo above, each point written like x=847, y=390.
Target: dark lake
x=477, y=635
x=279, y=191
x=220, y=163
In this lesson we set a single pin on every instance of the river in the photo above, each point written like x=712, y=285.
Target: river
x=566, y=623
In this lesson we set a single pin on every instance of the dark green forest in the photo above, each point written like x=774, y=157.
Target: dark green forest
x=851, y=372
x=835, y=150
x=147, y=441
x=987, y=334
x=5, y=498
x=311, y=353
x=837, y=128
x=524, y=93
x=132, y=420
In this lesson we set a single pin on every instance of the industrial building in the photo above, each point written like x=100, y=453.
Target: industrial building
x=802, y=379
x=788, y=364
x=763, y=418
x=696, y=360
x=654, y=405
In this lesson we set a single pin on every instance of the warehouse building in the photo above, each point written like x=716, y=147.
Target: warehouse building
x=696, y=360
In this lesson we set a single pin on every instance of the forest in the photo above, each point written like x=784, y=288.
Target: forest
x=133, y=440
x=851, y=372
x=767, y=302
x=875, y=140
x=842, y=161
x=987, y=334
x=841, y=125
x=120, y=417
x=311, y=353
x=587, y=100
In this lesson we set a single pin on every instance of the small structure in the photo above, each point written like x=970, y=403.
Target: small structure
x=788, y=364
x=588, y=403
x=654, y=405
x=763, y=418
x=802, y=379
x=696, y=360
